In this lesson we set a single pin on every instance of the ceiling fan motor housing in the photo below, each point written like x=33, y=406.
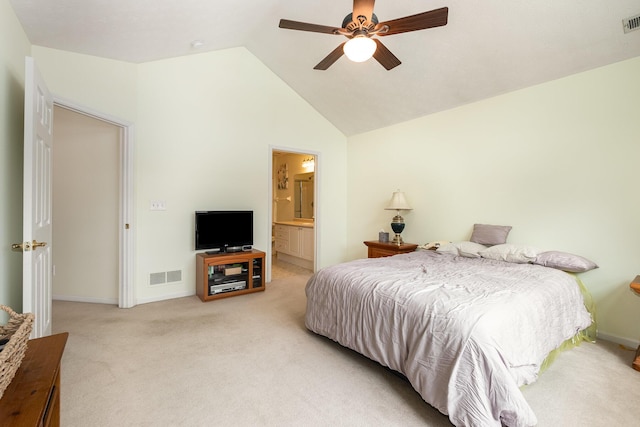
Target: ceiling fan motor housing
x=349, y=24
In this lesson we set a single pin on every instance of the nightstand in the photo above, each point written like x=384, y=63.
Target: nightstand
x=379, y=249
x=635, y=286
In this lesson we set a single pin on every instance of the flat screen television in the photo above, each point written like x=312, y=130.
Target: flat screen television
x=224, y=231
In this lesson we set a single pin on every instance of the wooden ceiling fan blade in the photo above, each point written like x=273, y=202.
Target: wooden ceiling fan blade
x=363, y=8
x=420, y=21
x=384, y=56
x=303, y=26
x=331, y=58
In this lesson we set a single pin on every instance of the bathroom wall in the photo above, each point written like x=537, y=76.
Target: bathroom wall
x=285, y=167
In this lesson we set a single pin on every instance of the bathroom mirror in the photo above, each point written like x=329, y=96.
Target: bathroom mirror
x=303, y=196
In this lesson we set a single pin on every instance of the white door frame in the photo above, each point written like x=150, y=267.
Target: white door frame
x=316, y=194
x=126, y=255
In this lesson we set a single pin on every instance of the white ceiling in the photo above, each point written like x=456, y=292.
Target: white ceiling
x=487, y=48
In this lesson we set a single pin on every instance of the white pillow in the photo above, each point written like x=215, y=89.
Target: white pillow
x=509, y=252
x=448, y=248
x=465, y=249
x=470, y=249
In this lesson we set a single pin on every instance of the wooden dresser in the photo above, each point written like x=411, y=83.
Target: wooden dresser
x=33, y=397
x=635, y=287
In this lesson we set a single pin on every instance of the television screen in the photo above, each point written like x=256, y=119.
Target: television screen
x=223, y=230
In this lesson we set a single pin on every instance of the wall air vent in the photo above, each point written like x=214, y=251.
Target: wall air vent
x=631, y=24
x=165, y=277
x=174, y=276
x=157, y=278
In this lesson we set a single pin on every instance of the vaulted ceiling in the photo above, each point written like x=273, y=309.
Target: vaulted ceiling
x=487, y=48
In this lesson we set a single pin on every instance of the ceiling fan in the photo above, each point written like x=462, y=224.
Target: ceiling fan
x=359, y=27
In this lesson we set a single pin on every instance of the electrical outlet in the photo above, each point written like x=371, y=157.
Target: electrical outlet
x=158, y=205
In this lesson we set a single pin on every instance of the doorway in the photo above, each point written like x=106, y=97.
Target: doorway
x=85, y=208
x=294, y=210
x=92, y=207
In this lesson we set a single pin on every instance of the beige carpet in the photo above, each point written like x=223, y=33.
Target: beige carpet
x=281, y=269
x=249, y=361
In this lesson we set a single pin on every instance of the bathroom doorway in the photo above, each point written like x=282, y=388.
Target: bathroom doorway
x=293, y=213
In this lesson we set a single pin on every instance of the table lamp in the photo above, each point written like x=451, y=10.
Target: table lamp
x=398, y=202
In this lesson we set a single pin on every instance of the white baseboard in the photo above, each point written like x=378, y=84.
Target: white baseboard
x=165, y=297
x=72, y=298
x=627, y=342
x=114, y=301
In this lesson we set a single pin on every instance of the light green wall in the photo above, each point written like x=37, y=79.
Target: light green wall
x=101, y=84
x=557, y=161
x=14, y=46
x=204, y=125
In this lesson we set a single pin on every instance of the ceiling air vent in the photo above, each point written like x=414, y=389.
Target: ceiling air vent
x=630, y=24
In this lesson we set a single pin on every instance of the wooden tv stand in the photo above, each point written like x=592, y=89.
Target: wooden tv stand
x=229, y=274
x=33, y=396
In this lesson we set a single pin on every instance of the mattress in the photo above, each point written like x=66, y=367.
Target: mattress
x=466, y=332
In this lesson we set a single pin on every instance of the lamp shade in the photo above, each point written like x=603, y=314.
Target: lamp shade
x=359, y=48
x=398, y=202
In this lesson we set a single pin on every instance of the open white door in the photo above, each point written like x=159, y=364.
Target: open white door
x=37, y=227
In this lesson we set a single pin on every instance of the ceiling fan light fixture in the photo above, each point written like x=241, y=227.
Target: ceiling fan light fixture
x=360, y=48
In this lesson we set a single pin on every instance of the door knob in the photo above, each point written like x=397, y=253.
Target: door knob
x=35, y=244
x=22, y=247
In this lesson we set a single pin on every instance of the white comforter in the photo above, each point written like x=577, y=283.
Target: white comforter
x=467, y=333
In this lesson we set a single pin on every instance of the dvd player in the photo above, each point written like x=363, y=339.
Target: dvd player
x=226, y=287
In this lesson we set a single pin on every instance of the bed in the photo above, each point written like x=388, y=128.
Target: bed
x=466, y=332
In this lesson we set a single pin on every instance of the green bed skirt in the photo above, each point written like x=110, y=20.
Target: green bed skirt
x=588, y=334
